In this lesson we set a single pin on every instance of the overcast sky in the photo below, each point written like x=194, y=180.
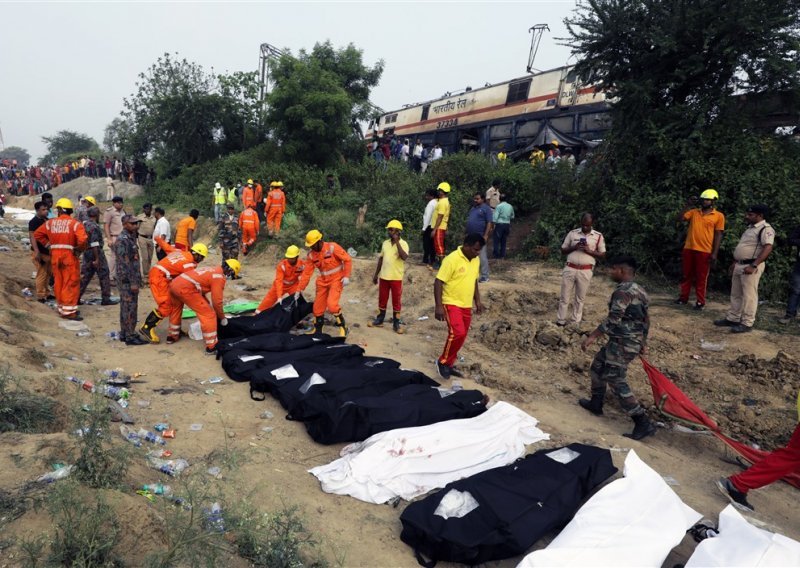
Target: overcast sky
x=69, y=65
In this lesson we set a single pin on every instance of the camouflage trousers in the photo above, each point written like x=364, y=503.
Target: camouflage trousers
x=609, y=368
x=88, y=270
x=229, y=252
x=128, y=310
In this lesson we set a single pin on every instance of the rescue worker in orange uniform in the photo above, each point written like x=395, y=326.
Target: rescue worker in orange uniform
x=65, y=238
x=287, y=279
x=334, y=266
x=276, y=207
x=249, y=226
x=176, y=262
x=248, y=195
x=190, y=289
x=258, y=196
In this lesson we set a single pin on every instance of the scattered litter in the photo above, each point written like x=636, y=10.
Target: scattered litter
x=170, y=467
x=130, y=435
x=143, y=403
x=709, y=346
x=461, y=358
x=161, y=426
x=423, y=318
x=73, y=325
x=267, y=414
x=212, y=381
x=168, y=433
x=59, y=473
x=695, y=357
x=113, y=335
x=48, y=344
x=214, y=471
x=353, y=301
x=27, y=293
x=5, y=249
x=670, y=480
x=195, y=427
x=684, y=430
x=214, y=521
x=83, y=334
x=49, y=366
x=457, y=386
x=157, y=489
x=195, y=331
x=352, y=252
x=209, y=391
x=159, y=453
x=267, y=429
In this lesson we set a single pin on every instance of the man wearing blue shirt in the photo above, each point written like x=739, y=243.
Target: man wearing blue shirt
x=479, y=220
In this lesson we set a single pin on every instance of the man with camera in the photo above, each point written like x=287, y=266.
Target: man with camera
x=706, y=225
x=583, y=247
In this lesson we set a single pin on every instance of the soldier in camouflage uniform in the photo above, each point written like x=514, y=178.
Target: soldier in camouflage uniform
x=94, y=259
x=229, y=234
x=627, y=326
x=129, y=280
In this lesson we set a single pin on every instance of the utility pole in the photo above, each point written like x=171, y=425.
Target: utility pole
x=2, y=144
x=269, y=53
x=538, y=30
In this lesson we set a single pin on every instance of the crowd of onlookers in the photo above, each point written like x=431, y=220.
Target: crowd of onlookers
x=35, y=180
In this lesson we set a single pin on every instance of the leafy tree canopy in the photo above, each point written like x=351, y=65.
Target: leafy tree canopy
x=183, y=115
x=318, y=99
x=21, y=155
x=66, y=142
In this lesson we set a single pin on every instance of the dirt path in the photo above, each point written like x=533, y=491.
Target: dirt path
x=505, y=352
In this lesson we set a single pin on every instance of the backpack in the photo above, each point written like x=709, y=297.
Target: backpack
x=501, y=512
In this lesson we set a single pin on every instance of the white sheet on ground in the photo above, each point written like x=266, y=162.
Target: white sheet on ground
x=409, y=462
x=633, y=521
x=741, y=544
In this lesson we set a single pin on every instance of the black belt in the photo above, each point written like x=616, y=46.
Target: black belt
x=748, y=261
x=147, y=236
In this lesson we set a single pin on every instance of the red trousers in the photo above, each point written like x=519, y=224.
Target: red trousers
x=384, y=288
x=696, y=266
x=458, y=320
x=773, y=467
x=438, y=242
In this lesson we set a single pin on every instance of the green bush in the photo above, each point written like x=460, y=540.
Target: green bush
x=100, y=462
x=23, y=411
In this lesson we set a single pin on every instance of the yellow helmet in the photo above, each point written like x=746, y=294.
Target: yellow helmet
x=279, y=184
x=234, y=265
x=709, y=194
x=444, y=186
x=200, y=249
x=64, y=203
x=90, y=199
x=249, y=182
x=273, y=184
x=312, y=237
x=292, y=251
x=554, y=142
x=395, y=224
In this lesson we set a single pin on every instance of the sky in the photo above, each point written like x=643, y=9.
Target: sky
x=72, y=64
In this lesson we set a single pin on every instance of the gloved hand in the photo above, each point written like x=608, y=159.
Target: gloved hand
x=257, y=311
x=296, y=296
x=223, y=322
x=345, y=281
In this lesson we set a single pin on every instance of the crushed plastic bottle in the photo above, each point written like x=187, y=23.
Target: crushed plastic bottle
x=85, y=385
x=158, y=489
x=130, y=435
x=214, y=471
x=267, y=414
x=214, y=520
x=113, y=335
x=49, y=366
x=150, y=437
x=113, y=373
x=27, y=293
x=170, y=467
x=159, y=453
x=52, y=476
x=48, y=344
x=116, y=393
x=161, y=426
x=710, y=346
x=83, y=334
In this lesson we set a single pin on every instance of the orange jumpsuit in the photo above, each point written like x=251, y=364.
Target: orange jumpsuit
x=249, y=225
x=287, y=280
x=190, y=289
x=66, y=238
x=248, y=197
x=334, y=264
x=258, y=194
x=276, y=206
x=176, y=262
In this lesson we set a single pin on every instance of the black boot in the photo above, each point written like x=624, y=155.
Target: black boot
x=343, y=329
x=318, y=323
x=378, y=321
x=148, y=329
x=642, y=427
x=397, y=324
x=595, y=404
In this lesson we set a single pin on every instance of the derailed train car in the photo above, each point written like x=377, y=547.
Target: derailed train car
x=507, y=116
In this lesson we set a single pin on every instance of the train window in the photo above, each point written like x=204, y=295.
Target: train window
x=518, y=91
x=425, y=110
x=571, y=76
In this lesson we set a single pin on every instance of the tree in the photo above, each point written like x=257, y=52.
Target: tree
x=182, y=115
x=318, y=99
x=66, y=142
x=21, y=155
x=112, y=135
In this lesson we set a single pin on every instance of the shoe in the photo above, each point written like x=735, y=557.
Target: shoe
x=136, y=340
x=319, y=322
x=171, y=340
x=42, y=300
x=80, y=302
x=398, y=327
x=343, y=329
x=211, y=350
x=109, y=302
x=50, y=297
x=443, y=370
x=593, y=405
x=785, y=320
x=378, y=321
x=699, y=307
x=725, y=323
x=741, y=328
x=561, y=323
x=642, y=428
x=483, y=280
x=456, y=373
x=680, y=302
x=736, y=497
x=76, y=317
x=148, y=329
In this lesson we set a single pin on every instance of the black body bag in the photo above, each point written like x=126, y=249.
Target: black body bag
x=243, y=365
x=282, y=317
x=507, y=509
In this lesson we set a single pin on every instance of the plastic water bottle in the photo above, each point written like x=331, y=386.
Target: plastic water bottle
x=60, y=473
x=170, y=467
x=130, y=435
x=113, y=373
x=151, y=437
x=214, y=519
x=27, y=293
x=158, y=489
x=113, y=335
x=85, y=385
x=116, y=392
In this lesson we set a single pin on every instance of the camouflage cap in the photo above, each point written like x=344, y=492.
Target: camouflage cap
x=130, y=219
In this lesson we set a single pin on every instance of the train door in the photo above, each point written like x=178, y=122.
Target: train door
x=568, y=87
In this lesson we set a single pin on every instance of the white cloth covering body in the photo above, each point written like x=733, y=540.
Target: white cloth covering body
x=409, y=462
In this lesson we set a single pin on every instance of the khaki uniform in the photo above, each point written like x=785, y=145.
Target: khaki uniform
x=744, y=287
x=113, y=219
x=577, y=274
x=145, y=242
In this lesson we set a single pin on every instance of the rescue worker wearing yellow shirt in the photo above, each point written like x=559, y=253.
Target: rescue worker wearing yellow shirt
x=441, y=215
x=455, y=291
x=389, y=276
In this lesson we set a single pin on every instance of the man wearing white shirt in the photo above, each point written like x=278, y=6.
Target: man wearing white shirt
x=162, y=230
x=416, y=161
x=428, y=256
x=404, y=151
x=437, y=153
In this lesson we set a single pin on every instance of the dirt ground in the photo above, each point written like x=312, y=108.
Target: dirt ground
x=514, y=353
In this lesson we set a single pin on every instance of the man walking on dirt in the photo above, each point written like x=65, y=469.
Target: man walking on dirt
x=94, y=259
x=427, y=229
x=41, y=254
x=129, y=280
x=455, y=292
x=112, y=228
x=441, y=215
x=627, y=326
x=479, y=220
x=706, y=225
x=219, y=198
x=584, y=247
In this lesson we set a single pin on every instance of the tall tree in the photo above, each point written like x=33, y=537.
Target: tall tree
x=21, y=155
x=319, y=97
x=66, y=142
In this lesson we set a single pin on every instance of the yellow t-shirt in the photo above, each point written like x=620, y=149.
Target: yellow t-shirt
x=459, y=276
x=443, y=209
x=393, y=266
x=182, y=230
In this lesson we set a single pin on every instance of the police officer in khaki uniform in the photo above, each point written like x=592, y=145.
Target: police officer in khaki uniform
x=583, y=247
x=755, y=245
x=147, y=226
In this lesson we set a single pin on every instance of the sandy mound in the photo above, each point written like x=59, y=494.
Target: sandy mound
x=83, y=186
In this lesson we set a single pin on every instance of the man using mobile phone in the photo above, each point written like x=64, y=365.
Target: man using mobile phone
x=583, y=247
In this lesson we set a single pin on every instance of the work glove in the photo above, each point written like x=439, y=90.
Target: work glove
x=258, y=312
x=223, y=322
x=345, y=281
